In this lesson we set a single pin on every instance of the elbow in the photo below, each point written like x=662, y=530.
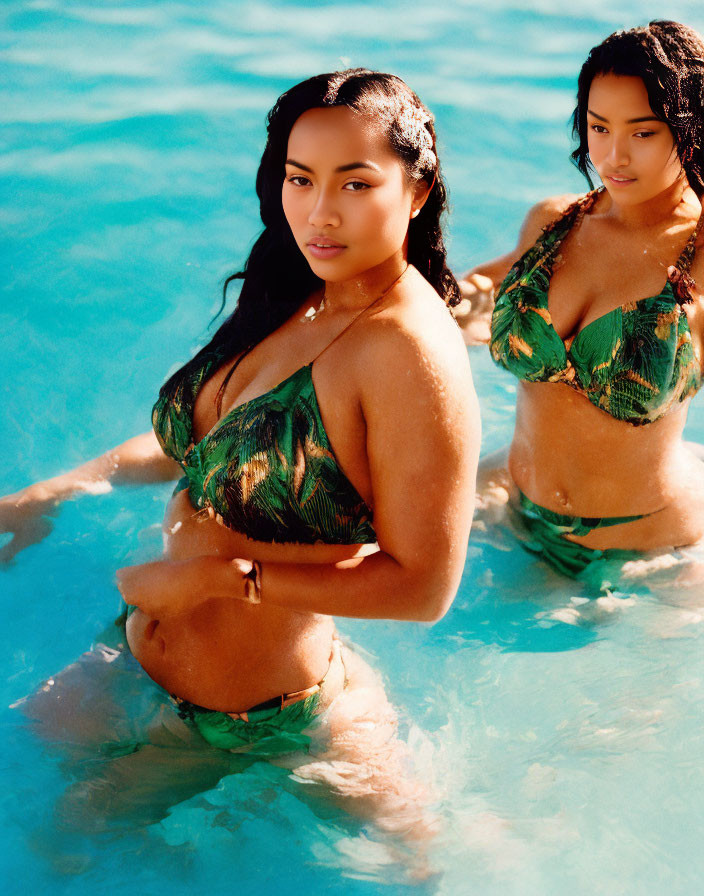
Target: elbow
x=435, y=613
x=434, y=603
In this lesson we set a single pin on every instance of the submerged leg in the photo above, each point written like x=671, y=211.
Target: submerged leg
x=129, y=758
x=360, y=763
x=127, y=754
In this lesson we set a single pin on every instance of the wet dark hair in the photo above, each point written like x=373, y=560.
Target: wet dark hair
x=276, y=277
x=669, y=58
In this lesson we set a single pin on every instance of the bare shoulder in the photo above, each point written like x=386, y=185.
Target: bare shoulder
x=542, y=214
x=415, y=346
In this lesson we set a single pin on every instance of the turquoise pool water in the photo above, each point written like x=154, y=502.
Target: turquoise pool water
x=565, y=738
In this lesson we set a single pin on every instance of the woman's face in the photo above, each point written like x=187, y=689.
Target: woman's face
x=633, y=152
x=345, y=194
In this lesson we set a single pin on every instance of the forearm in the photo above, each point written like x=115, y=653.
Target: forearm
x=494, y=270
x=375, y=587
x=138, y=460
x=371, y=587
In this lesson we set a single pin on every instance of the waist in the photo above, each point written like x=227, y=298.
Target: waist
x=316, y=696
x=228, y=655
x=676, y=524
x=575, y=459
x=566, y=524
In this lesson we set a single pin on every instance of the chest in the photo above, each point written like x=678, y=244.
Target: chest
x=598, y=270
x=233, y=382
x=314, y=411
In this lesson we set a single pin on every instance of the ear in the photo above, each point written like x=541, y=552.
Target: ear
x=421, y=192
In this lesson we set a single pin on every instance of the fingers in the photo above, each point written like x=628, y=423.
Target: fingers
x=473, y=313
x=30, y=533
x=480, y=282
x=467, y=290
x=8, y=551
x=477, y=293
x=462, y=310
x=475, y=286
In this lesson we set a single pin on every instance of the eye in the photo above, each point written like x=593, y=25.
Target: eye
x=644, y=134
x=598, y=128
x=356, y=186
x=298, y=180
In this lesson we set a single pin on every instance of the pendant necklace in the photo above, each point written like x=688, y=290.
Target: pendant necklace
x=312, y=313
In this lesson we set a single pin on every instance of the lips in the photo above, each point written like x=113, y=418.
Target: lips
x=620, y=180
x=324, y=242
x=324, y=247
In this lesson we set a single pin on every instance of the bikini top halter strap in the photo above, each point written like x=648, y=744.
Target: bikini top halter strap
x=359, y=314
x=572, y=216
x=684, y=262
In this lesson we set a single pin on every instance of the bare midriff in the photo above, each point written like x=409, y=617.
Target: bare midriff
x=226, y=654
x=575, y=459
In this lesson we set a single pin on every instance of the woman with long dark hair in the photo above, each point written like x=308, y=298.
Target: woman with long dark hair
x=326, y=439
x=599, y=315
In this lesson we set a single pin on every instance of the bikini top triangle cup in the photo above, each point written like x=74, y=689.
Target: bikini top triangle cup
x=635, y=362
x=267, y=467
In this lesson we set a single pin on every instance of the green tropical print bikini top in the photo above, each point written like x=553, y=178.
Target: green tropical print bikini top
x=635, y=362
x=267, y=468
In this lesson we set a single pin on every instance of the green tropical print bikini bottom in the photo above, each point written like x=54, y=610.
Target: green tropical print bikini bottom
x=547, y=530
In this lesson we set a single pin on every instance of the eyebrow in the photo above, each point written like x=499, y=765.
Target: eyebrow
x=352, y=166
x=630, y=120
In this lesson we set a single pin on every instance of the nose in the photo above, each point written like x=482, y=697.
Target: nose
x=323, y=212
x=619, y=155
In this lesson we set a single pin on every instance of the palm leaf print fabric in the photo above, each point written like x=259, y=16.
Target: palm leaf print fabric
x=267, y=468
x=635, y=362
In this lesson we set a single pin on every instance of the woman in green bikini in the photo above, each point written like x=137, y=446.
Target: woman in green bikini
x=311, y=484
x=599, y=315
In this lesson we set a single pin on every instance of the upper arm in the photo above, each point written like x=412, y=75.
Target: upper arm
x=537, y=218
x=695, y=310
x=423, y=434
x=474, y=313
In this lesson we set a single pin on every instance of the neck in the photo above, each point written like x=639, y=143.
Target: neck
x=367, y=287
x=661, y=208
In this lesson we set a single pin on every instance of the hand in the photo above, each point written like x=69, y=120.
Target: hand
x=474, y=311
x=162, y=588
x=169, y=587
x=478, y=291
x=25, y=515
